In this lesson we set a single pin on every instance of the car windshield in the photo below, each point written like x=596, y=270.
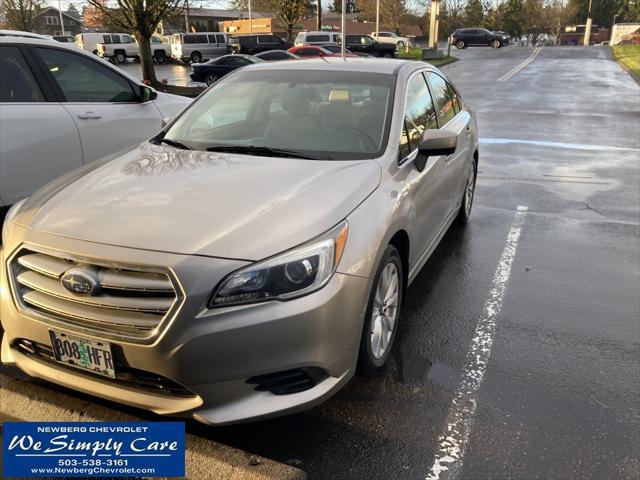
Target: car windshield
x=313, y=114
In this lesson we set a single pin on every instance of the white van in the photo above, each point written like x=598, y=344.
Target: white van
x=316, y=38
x=90, y=41
x=195, y=47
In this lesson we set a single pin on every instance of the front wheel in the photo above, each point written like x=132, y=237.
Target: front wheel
x=495, y=44
x=464, y=214
x=460, y=45
x=400, y=45
x=383, y=311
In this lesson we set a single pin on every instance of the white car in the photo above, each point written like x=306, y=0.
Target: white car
x=316, y=38
x=120, y=46
x=390, y=37
x=62, y=107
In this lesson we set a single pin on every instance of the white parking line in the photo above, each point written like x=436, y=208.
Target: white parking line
x=570, y=146
x=520, y=66
x=452, y=442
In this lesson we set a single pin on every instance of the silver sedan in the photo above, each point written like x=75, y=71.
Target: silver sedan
x=246, y=261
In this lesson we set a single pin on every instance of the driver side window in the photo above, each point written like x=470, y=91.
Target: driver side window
x=419, y=115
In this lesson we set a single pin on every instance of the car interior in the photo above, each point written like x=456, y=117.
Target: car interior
x=313, y=117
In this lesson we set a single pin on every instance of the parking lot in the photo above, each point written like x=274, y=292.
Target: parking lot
x=518, y=345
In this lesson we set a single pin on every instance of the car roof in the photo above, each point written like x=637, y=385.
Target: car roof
x=350, y=64
x=20, y=34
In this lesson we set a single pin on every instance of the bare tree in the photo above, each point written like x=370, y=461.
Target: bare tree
x=290, y=12
x=141, y=18
x=20, y=14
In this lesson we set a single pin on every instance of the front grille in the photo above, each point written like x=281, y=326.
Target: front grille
x=125, y=376
x=288, y=381
x=128, y=302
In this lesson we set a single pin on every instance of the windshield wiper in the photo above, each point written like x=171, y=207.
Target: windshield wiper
x=260, y=151
x=175, y=144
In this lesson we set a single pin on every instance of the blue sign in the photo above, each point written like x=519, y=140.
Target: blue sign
x=93, y=449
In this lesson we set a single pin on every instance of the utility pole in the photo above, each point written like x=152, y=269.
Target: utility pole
x=377, y=17
x=319, y=16
x=343, y=28
x=587, y=29
x=250, y=18
x=61, y=19
x=186, y=16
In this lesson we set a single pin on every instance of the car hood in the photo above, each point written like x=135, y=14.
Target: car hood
x=192, y=202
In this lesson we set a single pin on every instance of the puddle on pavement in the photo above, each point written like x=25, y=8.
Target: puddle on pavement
x=417, y=369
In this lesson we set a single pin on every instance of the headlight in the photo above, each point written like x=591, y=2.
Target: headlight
x=288, y=275
x=11, y=214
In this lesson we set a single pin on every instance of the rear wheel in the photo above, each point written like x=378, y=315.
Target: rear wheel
x=383, y=311
x=120, y=57
x=196, y=57
x=495, y=44
x=160, y=56
x=460, y=44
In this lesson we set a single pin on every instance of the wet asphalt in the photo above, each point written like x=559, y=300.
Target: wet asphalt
x=561, y=395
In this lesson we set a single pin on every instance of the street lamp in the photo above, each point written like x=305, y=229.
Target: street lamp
x=343, y=28
x=377, y=17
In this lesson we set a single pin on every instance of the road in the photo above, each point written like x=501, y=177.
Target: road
x=522, y=331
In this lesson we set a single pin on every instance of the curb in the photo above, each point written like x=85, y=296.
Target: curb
x=205, y=459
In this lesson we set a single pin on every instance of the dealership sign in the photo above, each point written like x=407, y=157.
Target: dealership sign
x=93, y=449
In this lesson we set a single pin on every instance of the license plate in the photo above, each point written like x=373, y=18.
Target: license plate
x=83, y=353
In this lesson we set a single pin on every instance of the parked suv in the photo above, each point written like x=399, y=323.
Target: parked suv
x=252, y=44
x=250, y=258
x=196, y=47
x=367, y=44
x=316, y=38
x=392, y=38
x=120, y=46
x=63, y=107
x=465, y=37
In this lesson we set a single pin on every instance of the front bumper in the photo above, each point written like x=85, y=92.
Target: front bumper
x=210, y=352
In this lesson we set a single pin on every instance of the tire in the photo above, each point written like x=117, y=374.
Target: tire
x=495, y=44
x=196, y=57
x=210, y=79
x=464, y=214
x=120, y=57
x=374, y=351
x=400, y=45
x=160, y=56
x=460, y=44
x=95, y=52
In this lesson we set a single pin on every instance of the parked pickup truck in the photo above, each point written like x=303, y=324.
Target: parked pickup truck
x=366, y=44
x=392, y=38
x=120, y=46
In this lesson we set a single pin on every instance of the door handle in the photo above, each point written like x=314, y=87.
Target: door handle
x=89, y=116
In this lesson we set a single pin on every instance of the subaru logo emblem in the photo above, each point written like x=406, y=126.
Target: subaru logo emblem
x=80, y=282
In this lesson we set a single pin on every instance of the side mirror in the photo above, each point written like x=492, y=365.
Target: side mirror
x=434, y=143
x=147, y=94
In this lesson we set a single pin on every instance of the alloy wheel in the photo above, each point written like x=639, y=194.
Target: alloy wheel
x=385, y=310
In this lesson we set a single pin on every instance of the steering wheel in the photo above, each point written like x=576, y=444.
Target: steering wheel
x=366, y=140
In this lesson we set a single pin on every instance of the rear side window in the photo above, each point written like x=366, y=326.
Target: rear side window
x=317, y=38
x=17, y=83
x=220, y=38
x=212, y=38
x=83, y=80
x=444, y=100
